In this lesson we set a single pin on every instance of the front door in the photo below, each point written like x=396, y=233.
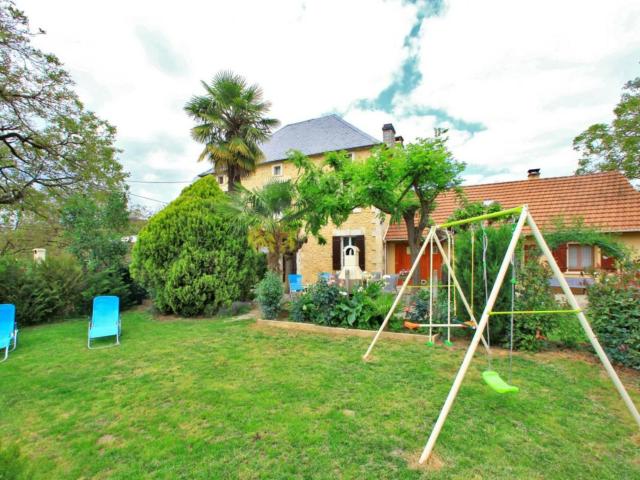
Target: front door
x=403, y=261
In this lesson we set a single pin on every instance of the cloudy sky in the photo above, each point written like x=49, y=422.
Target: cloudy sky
x=514, y=81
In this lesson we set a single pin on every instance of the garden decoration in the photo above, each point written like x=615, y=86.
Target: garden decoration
x=351, y=271
x=105, y=319
x=492, y=378
x=8, y=329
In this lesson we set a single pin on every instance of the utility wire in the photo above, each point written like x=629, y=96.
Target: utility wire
x=153, y=181
x=147, y=198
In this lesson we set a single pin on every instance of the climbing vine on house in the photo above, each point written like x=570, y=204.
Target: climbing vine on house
x=576, y=231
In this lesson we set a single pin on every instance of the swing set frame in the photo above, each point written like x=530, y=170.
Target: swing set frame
x=524, y=217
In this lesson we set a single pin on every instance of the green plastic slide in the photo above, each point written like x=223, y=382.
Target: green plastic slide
x=493, y=379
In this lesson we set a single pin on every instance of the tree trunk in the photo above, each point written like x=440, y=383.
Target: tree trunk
x=274, y=257
x=232, y=178
x=415, y=242
x=273, y=263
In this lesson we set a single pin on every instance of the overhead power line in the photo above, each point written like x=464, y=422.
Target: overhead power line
x=147, y=198
x=154, y=181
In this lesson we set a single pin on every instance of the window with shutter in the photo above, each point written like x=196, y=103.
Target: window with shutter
x=560, y=254
x=358, y=241
x=580, y=257
x=339, y=244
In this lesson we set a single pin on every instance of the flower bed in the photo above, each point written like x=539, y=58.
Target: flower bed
x=326, y=303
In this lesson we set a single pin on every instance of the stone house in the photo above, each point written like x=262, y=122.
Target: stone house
x=603, y=200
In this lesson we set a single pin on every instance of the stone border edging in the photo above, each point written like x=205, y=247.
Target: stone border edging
x=346, y=332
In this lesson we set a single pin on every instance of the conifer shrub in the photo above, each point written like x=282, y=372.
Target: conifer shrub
x=192, y=256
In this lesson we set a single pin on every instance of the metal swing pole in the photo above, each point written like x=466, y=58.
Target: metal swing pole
x=431, y=290
x=583, y=319
x=484, y=319
x=401, y=292
x=448, y=288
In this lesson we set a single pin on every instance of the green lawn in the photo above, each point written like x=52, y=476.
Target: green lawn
x=214, y=399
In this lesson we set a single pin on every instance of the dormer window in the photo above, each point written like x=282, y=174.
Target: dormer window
x=276, y=170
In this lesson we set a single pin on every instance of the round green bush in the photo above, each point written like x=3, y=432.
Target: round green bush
x=192, y=256
x=269, y=294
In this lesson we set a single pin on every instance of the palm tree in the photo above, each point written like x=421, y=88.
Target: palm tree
x=273, y=220
x=231, y=124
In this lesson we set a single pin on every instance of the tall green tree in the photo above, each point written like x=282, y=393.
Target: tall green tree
x=616, y=146
x=231, y=123
x=94, y=228
x=49, y=144
x=402, y=182
x=273, y=220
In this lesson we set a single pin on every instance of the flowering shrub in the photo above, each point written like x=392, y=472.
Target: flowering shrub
x=327, y=304
x=614, y=310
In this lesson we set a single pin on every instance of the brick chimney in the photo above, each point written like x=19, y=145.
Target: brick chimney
x=533, y=173
x=389, y=134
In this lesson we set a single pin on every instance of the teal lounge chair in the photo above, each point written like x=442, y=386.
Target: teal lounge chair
x=105, y=320
x=8, y=330
x=295, y=283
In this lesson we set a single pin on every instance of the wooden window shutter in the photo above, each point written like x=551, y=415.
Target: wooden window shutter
x=560, y=254
x=607, y=263
x=359, y=242
x=336, y=253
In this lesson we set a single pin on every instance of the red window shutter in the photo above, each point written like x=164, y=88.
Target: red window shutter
x=359, y=242
x=607, y=263
x=336, y=253
x=560, y=254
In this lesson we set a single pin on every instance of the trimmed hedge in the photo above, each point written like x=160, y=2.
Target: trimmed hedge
x=57, y=288
x=192, y=257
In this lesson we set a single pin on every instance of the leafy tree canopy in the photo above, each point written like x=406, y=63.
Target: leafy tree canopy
x=94, y=229
x=401, y=181
x=273, y=219
x=616, y=146
x=469, y=209
x=49, y=144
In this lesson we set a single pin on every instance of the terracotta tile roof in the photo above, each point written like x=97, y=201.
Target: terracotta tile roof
x=604, y=200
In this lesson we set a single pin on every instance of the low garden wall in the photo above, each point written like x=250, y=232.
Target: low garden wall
x=347, y=332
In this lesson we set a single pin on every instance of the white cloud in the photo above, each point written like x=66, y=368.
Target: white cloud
x=535, y=74
x=310, y=58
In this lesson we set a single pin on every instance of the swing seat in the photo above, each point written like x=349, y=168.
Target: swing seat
x=410, y=325
x=497, y=384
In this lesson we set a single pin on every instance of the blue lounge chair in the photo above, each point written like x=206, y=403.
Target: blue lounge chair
x=105, y=320
x=295, y=283
x=8, y=330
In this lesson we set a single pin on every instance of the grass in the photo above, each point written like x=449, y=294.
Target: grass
x=219, y=399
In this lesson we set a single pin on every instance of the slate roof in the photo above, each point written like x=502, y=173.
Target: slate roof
x=604, y=200
x=315, y=136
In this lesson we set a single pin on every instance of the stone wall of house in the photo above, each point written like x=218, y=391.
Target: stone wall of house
x=632, y=240
x=314, y=258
